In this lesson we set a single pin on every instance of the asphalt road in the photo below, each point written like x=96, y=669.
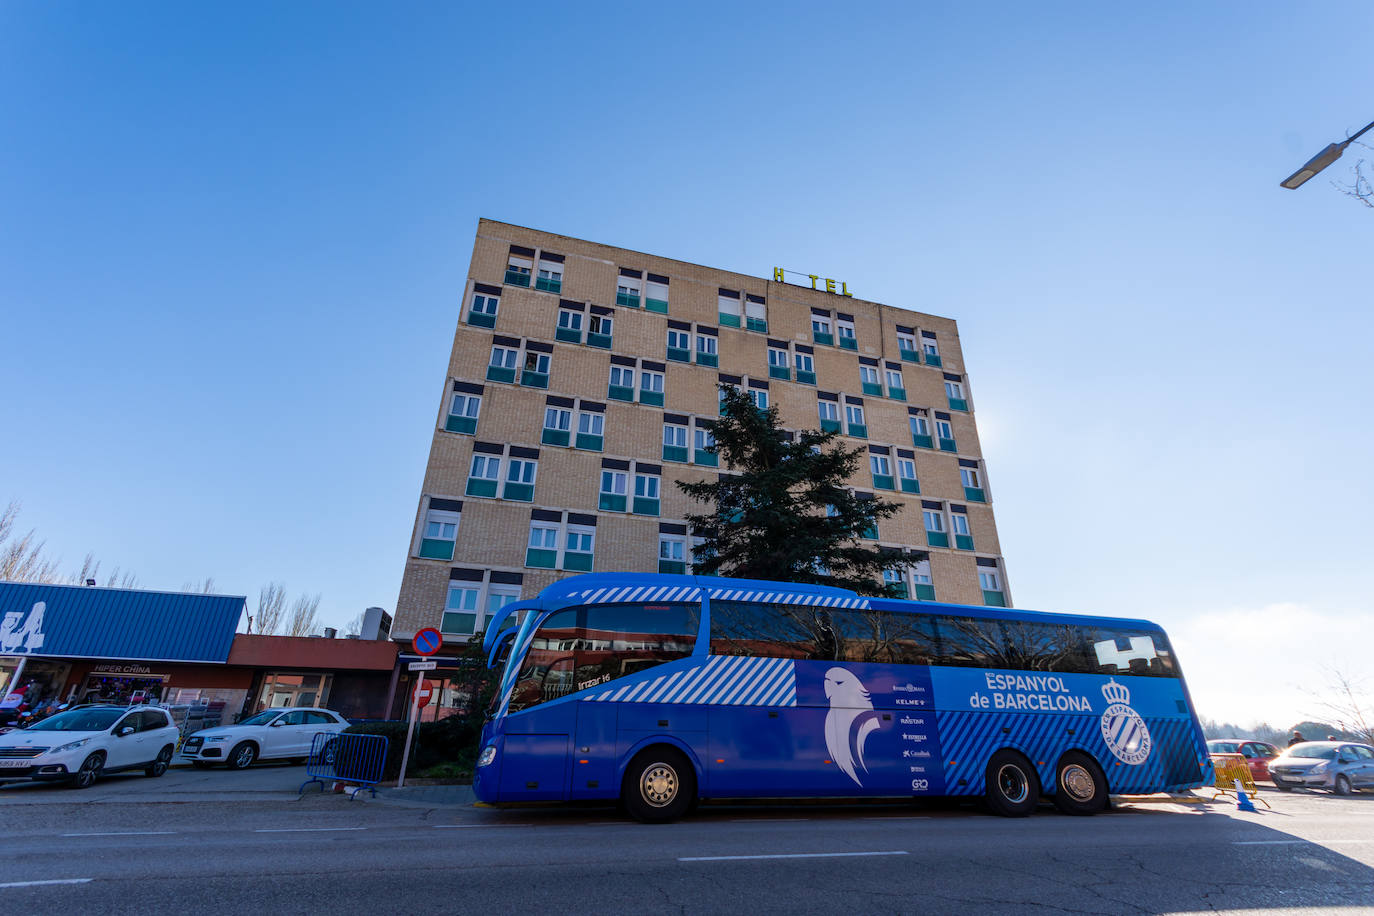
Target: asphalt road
x=242, y=842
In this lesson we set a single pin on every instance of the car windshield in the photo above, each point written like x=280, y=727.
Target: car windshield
x=262, y=718
x=78, y=720
x=1313, y=749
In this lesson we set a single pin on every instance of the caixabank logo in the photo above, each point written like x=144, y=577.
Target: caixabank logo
x=1122, y=727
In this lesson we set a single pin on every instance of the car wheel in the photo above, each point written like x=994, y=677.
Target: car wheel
x=1343, y=786
x=327, y=753
x=159, y=766
x=1079, y=784
x=659, y=785
x=242, y=756
x=201, y=764
x=1013, y=788
x=89, y=772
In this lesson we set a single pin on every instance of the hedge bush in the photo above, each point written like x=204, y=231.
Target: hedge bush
x=447, y=741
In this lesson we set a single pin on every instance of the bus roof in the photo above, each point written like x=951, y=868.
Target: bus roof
x=637, y=586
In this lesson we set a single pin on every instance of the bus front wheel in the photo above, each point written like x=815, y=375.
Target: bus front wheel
x=660, y=785
x=1080, y=787
x=1013, y=789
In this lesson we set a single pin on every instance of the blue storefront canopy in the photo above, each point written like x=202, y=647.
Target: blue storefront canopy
x=71, y=621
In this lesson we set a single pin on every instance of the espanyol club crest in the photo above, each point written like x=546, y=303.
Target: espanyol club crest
x=1122, y=727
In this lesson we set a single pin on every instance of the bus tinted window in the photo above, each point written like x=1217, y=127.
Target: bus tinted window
x=1113, y=651
x=582, y=647
x=771, y=630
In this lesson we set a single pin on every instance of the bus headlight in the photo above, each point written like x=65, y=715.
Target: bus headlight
x=488, y=755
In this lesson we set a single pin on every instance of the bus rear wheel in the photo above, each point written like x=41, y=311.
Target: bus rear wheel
x=1013, y=789
x=660, y=785
x=1079, y=784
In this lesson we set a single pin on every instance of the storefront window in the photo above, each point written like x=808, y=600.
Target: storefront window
x=283, y=690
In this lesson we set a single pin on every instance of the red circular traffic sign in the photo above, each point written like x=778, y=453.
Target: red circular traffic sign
x=423, y=695
x=427, y=641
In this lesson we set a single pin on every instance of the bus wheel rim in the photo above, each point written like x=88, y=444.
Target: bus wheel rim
x=1013, y=783
x=1078, y=782
x=658, y=787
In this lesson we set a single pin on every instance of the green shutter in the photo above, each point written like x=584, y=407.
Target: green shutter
x=461, y=424
x=480, y=487
x=541, y=559
x=554, y=437
x=436, y=549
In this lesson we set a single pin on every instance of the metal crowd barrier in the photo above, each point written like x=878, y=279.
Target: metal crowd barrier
x=346, y=757
x=1231, y=769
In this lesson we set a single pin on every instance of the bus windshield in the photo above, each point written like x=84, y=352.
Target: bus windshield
x=581, y=647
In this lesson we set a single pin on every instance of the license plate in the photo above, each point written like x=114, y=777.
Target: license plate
x=15, y=764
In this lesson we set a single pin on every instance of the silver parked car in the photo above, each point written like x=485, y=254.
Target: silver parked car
x=1341, y=766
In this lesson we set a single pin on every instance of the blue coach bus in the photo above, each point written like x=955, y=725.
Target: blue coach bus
x=659, y=690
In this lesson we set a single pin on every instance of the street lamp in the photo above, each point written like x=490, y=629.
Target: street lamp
x=1320, y=161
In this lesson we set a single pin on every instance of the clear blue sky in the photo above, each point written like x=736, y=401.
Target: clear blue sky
x=233, y=239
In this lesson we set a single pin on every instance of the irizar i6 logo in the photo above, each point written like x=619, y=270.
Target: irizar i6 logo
x=850, y=721
x=1122, y=727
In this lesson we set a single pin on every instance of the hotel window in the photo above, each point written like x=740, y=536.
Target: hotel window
x=920, y=577
x=990, y=582
x=612, y=491
x=854, y=418
x=844, y=328
x=622, y=387
x=920, y=429
x=518, y=270
x=674, y=442
x=954, y=391
x=945, y=433
x=569, y=326
x=672, y=553
x=707, y=350
x=777, y=364
x=881, y=466
x=486, y=471
x=482, y=311
x=599, y=328
x=972, y=481
x=651, y=387
x=868, y=377
x=627, y=289
x=460, y=609
x=656, y=294
x=728, y=305
x=895, y=581
x=906, y=474
x=577, y=553
x=501, y=368
x=557, y=426
x=759, y=396
x=755, y=313
x=932, y=514
x=958, y=523
x=930, y=350
x=536, y=372
x=806, y=368
x=542, y=552
x=520, y=480
x=590, y=428
x=821, y=329
x=907, y=346
x=896, y=389
x=830, y=416
x=646, y=493
x=679, y=346
x=441, y=530
x=702, y=441
x=550, y=277
x=498, y=596
x=463, y=409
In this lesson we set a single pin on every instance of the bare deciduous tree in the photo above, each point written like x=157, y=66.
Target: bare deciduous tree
x=271, y=608
x=1348, y=704
x=204, y=586
x=1362, y=188
x=354, y=626
x=90, y=571
x=302, y=619
x=21, y=557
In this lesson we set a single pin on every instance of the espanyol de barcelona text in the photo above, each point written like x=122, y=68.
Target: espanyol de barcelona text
x=1045, y=693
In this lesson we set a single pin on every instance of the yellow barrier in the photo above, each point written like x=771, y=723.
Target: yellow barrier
x=1232, y=768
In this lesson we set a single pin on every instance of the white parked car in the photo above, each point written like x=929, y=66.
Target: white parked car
x=78, y=745
x=273, y=734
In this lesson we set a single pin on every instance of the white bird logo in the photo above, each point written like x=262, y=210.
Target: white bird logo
x=849, y=701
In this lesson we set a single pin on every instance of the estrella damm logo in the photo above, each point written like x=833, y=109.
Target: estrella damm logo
x=1122, y=727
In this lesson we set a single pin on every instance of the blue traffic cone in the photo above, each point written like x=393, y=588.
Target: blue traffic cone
x=1243, y=803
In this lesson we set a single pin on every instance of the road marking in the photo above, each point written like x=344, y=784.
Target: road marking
x=53, y=881
x=305, y=829
x=128, y=833
x=793, y=855
x=1299, y=842
x=474, y=826
x=761, y=820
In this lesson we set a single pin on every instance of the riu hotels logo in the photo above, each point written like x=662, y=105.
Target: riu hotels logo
x=780, y=276
x=21, y=633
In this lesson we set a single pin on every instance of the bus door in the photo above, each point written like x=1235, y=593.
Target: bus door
x=536, y=744
x=594, y=756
